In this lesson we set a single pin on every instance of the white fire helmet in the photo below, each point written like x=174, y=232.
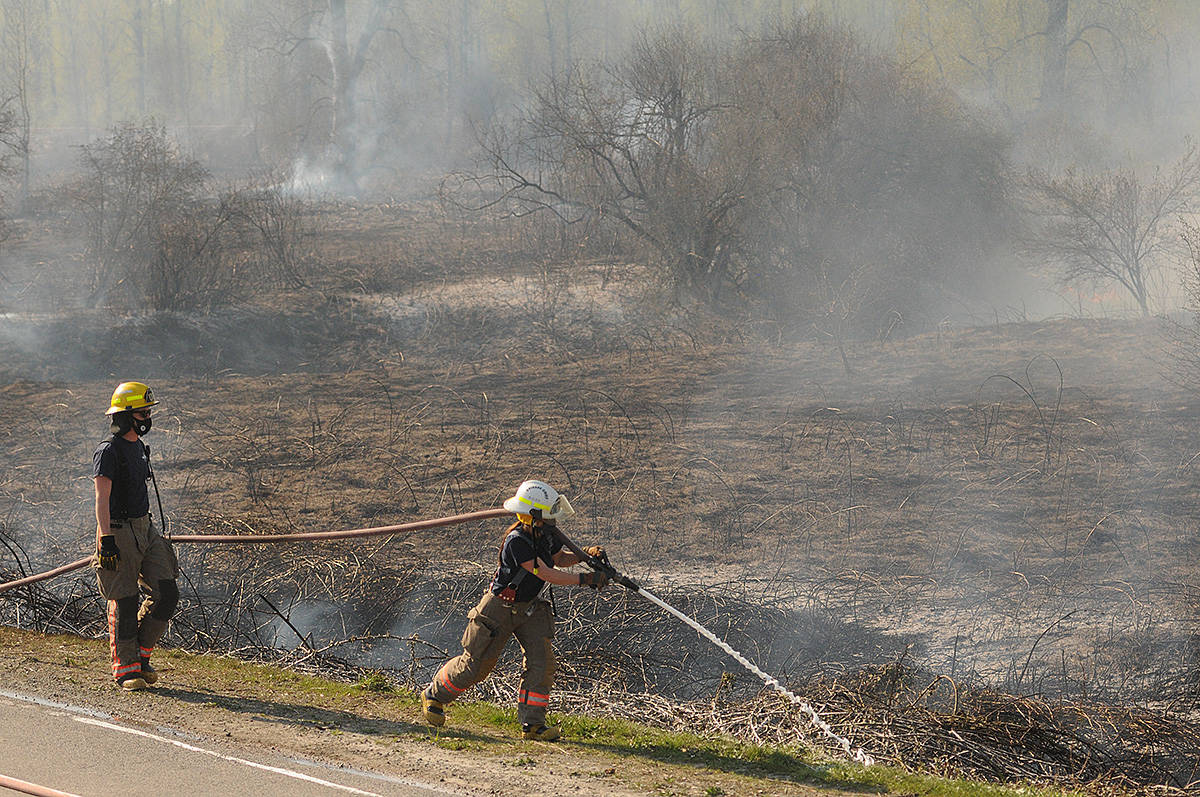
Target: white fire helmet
x=538, y=499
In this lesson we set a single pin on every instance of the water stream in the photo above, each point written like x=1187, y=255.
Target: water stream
x=856, y=754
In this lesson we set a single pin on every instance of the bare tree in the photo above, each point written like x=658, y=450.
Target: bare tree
x=1113, y=227
x=10, y=140
x=1183, y=338
x=349, y=59
x=135, y=186
x=630, y=144
x=758, y=172
x=272, y=224
x=17, y=44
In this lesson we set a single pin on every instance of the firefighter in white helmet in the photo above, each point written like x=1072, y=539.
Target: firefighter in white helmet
x=530, y=557
x=131, y=554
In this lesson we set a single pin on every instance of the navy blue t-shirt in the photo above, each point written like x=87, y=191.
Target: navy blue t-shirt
x=520, y=548
x=129, y=497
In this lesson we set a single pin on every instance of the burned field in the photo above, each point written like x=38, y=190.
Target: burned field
x=973, y=549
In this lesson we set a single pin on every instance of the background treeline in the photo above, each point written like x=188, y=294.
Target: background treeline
x=843, y=166
x=409, y=76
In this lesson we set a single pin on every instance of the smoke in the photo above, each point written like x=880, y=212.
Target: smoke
x=950, y=480
x=310, y=178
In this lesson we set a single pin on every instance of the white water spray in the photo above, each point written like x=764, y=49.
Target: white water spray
x=855, y=754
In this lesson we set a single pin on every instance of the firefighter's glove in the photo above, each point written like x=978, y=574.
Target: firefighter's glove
x=110, y=554
x=596, y=552
x=597, y=579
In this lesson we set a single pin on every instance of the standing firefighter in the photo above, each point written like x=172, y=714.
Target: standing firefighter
x=511, y=606
x=130, y=551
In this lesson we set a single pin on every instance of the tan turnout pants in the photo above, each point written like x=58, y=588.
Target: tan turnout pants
x=489, y=626
x=147, y=561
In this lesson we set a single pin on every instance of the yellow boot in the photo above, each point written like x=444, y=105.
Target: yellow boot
x=149, y=674
x=540, y=733
x=132, y=683
x=433, y=711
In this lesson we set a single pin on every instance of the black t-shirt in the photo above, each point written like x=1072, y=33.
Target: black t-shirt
x=129, y=497
x=518, y=548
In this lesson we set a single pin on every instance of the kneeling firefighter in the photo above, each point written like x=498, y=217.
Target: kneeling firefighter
x=512, y=606
x=130, y=551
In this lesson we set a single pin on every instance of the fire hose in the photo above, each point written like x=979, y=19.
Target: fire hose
x=599, y=564
x=262, y=538
x=31, y=788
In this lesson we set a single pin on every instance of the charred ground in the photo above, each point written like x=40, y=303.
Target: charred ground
x=967, y=522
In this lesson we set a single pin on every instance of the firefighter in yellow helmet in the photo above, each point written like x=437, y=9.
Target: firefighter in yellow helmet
x=530, y=558
x=131, y=554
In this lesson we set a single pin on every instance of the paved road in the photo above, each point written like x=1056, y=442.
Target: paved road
x=84, y=752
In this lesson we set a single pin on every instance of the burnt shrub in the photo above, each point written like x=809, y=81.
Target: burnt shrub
x=794, y=174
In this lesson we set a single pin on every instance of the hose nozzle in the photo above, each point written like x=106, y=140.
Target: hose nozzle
x=601, y=563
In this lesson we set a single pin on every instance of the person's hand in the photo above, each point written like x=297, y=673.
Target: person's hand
x=110, y=554
x=597, y=579
x=595, y=551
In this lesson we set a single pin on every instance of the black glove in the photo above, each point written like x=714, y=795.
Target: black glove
x=596, y=579
x=110, y=554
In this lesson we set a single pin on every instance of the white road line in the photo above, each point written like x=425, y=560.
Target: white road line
x=81, y=714
x=278, y=770
x=46, y=703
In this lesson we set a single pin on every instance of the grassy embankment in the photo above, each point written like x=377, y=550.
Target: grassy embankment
x=232, y=691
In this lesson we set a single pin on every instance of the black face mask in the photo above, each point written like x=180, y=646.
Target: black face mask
x=122, y=422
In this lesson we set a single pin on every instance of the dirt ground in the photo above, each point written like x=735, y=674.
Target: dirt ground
x=1007, y=504
x=934, y=495
x=361, y=730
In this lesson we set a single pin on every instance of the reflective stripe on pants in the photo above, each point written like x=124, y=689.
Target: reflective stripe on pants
x=489, y=626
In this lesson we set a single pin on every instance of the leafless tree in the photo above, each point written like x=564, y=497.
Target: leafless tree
x=17, y=44
x=629, y=144
x=9, y=142
x=322, y=53
x=349, y=58
x=754, y=173
x=1113, y=227
x=272, y=223
x=136, y=186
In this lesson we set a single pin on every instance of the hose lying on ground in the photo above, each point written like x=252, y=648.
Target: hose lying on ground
x=416, y=525
x=856, y=755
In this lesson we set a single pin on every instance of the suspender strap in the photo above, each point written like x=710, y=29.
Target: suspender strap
x=515, y=581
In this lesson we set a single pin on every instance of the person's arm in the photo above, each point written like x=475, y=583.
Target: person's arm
x=103, y=491
x=565, y=558
x=550, y=575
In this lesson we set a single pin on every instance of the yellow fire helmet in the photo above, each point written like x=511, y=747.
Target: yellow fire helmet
x=131, y=396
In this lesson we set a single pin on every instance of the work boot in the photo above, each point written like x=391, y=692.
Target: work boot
x=433, y=711
x=132, y=682
x=540, y=733
x=149, y=674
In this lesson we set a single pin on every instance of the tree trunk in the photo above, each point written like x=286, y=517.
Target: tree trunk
x=343, y=91
x=139, y=54
x=1054, y=69
x=348, y=66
